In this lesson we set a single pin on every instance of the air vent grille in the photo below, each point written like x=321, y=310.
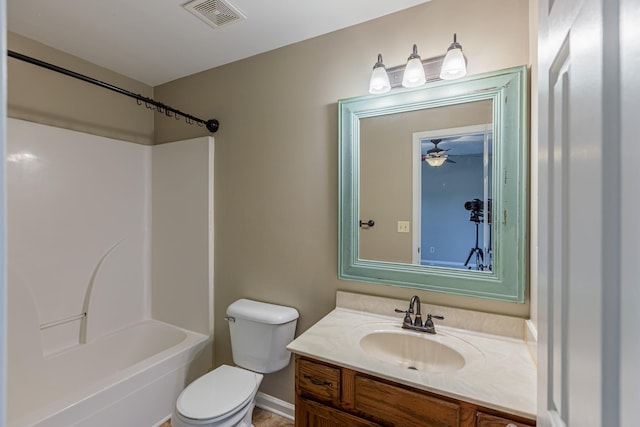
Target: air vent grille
x=214, y=12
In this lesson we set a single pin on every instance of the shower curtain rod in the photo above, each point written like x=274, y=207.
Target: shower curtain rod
x=211, y=124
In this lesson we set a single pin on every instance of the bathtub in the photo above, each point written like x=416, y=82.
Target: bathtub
x=130, y=378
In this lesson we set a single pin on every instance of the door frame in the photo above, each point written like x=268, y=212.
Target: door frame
x=417, y=164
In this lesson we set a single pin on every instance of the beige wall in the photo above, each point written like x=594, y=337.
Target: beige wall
x=533, y=179
x=276, y=189
x=43, y=96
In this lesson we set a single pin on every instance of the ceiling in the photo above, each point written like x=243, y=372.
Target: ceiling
x=156, y=41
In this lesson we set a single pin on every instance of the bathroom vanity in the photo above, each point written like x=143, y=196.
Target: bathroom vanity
x=330, y=395
x=360, y=368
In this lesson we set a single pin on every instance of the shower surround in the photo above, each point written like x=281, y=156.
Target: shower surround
x=80, y=269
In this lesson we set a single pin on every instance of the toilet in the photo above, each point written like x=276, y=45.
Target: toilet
x=225, y=397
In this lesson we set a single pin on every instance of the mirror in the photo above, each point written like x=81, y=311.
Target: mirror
x=398, y=183
x=433, y=186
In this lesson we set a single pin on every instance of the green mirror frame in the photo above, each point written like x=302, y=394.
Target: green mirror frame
x=507, y=281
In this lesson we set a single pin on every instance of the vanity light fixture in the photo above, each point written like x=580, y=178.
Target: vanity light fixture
x=379, y=82
x=417, y=71
x=454, y=65
x=414, y=72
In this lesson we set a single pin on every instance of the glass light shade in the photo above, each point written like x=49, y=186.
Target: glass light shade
x=414, y=73
x=454, y=66
x=436, y=161
x=379, y=82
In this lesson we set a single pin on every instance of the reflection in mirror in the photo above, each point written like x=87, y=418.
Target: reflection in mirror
x=425, y=168
x=453, y=201
x=421, y=170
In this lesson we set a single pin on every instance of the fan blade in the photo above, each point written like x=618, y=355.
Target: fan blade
x=437, y=150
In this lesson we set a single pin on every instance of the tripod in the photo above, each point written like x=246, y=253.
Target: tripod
x=476, y=250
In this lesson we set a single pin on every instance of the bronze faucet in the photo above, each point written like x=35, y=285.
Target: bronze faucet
x=416, y=323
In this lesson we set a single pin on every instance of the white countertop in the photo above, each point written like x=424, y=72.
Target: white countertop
x=499, y=372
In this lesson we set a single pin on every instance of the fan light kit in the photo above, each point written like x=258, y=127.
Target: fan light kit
x=435, y=160
x=417, y=72
x=436, y=156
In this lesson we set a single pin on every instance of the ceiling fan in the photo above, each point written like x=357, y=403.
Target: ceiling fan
x=437, y=156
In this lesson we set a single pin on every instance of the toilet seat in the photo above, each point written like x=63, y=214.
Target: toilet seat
x=218, y=394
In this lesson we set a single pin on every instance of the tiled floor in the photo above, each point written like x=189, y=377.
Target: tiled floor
x=261, y=418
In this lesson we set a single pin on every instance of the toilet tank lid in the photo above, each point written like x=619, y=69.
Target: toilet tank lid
x=262, y=312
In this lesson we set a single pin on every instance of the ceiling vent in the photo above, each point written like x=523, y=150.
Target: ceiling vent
x=214, y=12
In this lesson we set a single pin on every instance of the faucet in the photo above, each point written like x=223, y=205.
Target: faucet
x=416, y=323
x=417, y=320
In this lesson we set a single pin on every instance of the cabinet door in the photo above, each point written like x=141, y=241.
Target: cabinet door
x=486, y=420
x=313, y=414
x=400, y=407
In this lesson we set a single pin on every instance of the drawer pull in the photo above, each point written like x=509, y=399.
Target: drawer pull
x=511, y=425
x=317, y=382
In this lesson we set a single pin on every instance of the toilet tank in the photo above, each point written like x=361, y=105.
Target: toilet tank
x=260, y=333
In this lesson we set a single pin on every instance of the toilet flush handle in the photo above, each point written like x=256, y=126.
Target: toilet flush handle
x=230, y=318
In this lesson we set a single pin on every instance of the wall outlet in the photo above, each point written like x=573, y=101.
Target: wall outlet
x=403, y=226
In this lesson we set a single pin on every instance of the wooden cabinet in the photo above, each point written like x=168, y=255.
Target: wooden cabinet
x=318, y=381
x=328, y=396
x=382, y=401
x=313, y=414
x=486, y=420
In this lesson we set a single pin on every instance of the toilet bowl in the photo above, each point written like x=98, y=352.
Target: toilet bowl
x=225, y=397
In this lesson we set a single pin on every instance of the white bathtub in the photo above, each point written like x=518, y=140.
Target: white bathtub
x=128, y=379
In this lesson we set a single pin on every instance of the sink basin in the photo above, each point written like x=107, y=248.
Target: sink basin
x=415, y=351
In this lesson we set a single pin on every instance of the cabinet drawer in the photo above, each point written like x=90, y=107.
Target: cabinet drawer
x=318, y=381
x=486, y=420
x=383, y=401
x=312, y=414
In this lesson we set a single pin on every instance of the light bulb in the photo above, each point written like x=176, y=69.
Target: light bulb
x=414, y=71
x=379, y=82
x=436, y=161
x=454, y=65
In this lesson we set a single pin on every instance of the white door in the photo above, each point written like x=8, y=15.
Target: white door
x=629, y=293
x=588, y=188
